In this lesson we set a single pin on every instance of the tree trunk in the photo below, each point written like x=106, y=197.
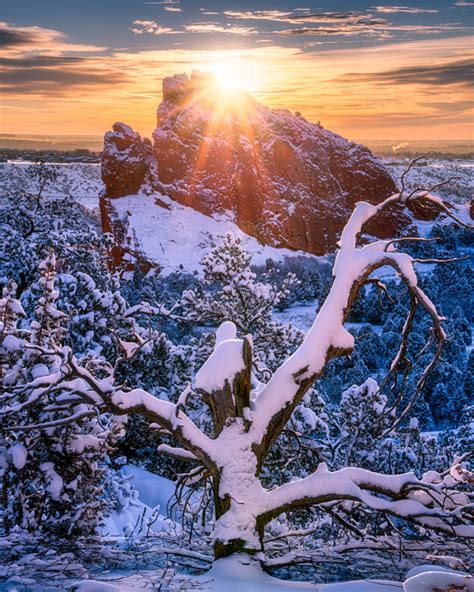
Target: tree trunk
x=237, y=496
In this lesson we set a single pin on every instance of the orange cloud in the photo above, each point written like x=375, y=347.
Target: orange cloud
x=411, y=89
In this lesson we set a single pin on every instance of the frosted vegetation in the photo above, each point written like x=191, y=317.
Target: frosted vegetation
x=302, y=420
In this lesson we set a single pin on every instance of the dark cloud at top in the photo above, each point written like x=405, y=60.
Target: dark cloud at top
x=14, y=38
x=354, y=18
x=349, y=17
x=54, y=75
x=460, y=72
x=40, y=61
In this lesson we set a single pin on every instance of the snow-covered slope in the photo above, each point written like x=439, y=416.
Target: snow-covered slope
x=172, y=235
x=146, y=511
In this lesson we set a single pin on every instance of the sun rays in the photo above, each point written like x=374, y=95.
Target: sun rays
x=234, y=74
x=227, y=111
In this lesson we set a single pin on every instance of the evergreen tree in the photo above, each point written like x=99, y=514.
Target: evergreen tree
x=231, y=292
x=53, y=478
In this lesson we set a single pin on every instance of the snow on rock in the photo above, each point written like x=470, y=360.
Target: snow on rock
x=18, y=454
x=172, y=235
x=176, y=88
x=124, y=160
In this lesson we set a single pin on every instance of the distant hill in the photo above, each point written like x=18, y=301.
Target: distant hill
x=47, y=142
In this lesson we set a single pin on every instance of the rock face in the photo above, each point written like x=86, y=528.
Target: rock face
x=124, y=160
x=287, y=181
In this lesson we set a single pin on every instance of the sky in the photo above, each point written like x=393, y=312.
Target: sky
x=373, y=70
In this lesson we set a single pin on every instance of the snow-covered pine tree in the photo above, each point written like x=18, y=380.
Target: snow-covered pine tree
x=53, y=479
x=31, y=225
x=248, y=416
x=10, y=311
x=356, y=436
x=231, y=292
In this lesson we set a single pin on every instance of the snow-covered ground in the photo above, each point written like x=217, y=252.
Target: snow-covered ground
x=146, y=512
x=428, y=173
x=80, y=181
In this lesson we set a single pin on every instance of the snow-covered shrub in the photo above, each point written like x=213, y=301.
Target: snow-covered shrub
x=53, y=477
x=32, y=225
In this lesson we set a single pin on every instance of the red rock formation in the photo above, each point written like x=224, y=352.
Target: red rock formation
x=124, y=160
x=287, y=181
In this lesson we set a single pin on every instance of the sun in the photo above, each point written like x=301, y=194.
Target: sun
x=234, y=75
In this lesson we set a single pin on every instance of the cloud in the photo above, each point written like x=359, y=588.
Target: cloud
x=15, y=37
x=345, y=23
x=173, y=9
x=216, y=28
x=401, y=146
x=375, y=30
x=16, y=40
x=407, y=9
x=463, y=3
x=265, y=15
x=56, y=75
x=150, y=27
x=38, y=61
x=344, y=30
x=305, y=18
x=458, y=72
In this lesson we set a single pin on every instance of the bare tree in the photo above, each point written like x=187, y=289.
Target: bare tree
x=248, y=416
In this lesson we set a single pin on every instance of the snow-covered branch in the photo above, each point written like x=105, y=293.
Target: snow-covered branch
x=104, y=394
x=328, y=338
x=403, y=496
x=178, y=453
